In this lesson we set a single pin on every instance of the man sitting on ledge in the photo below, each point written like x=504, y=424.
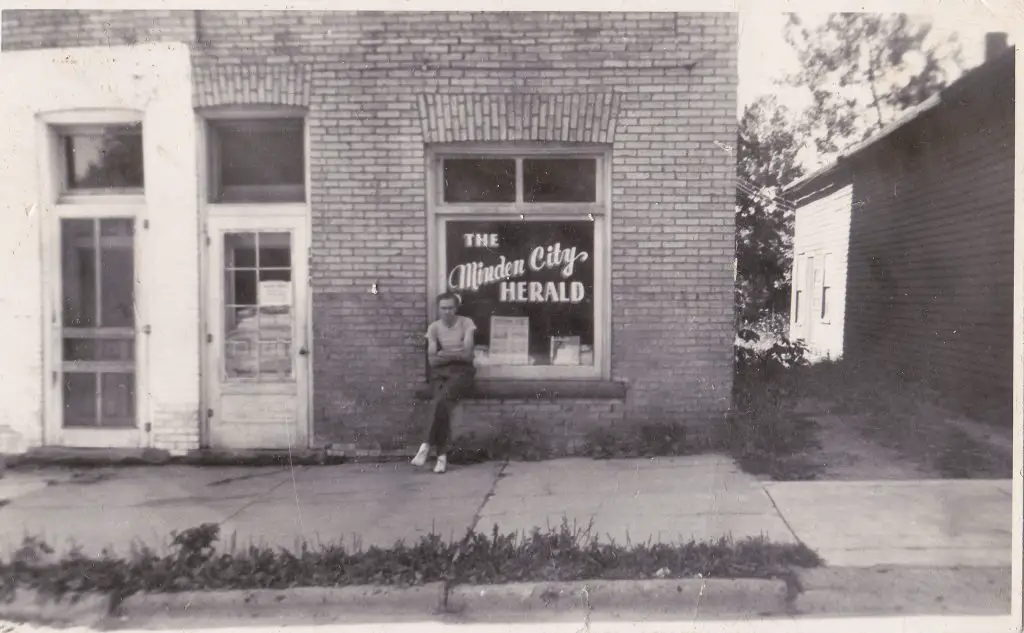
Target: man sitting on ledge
x=450, y=354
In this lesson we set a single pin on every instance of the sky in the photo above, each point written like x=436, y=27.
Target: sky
x=765, y=56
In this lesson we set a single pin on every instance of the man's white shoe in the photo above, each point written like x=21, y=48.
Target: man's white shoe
x=421, y=455
x=442, y=464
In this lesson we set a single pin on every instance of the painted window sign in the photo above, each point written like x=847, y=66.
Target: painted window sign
x=540, y=271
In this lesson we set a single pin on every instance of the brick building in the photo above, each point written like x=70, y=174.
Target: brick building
x=903, y=249
x=229, y=227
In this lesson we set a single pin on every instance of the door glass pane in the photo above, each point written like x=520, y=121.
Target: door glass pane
x=78, y=272
x=80, y=399
x=259, y=300
x=275, y=250
x=240, y=287
x=117, y=271
x=276, y=341
x=275, y=274
x=118, y=400
x=89, y=349
x=241, y=334
x=240, y=250
x=98, y=326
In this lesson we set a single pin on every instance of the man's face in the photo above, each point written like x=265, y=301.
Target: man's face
x=447, y=309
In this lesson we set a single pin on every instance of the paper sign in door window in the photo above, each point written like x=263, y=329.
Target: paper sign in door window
x=275, y=293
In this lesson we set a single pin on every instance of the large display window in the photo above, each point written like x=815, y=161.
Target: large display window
x=521, y=239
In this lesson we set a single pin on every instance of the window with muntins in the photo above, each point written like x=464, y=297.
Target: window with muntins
x=826, y=286
x=797, y=287
x=521, y=239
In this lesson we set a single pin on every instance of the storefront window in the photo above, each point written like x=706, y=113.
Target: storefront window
x=520, y=241
x=528, y=286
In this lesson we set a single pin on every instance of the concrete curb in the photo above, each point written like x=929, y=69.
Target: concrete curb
x=309, y=601
x=712, y=597
x=30, y=606
x=708, y=598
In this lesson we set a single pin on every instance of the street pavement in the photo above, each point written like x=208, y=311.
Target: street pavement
x=947, y=624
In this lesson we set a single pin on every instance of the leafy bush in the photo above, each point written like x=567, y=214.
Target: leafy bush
x=763, y=433
x=564, y=553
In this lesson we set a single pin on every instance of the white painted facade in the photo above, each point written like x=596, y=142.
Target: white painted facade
x=151, y=84
x=820, y=246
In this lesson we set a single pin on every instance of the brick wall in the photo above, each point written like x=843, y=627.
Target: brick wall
x=672, y=225
x=25, y=29
x=564, y=425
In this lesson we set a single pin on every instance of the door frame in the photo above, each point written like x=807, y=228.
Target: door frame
x=229, y=218
x=213, y=212
x=54, y=432
x=54, y=209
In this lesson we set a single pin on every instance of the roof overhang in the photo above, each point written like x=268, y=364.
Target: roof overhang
x=804, y=183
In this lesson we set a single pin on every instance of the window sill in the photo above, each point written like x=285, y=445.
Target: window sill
x=490, y=389
x=127, y=197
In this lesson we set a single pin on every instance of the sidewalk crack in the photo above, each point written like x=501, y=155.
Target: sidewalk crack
x=450, y=580
x=783, y=517
x=488, y=496
x=256, y=499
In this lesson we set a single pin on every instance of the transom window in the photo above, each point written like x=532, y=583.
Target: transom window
x=257, y=160
x=529, y=180
x=521, y=239
x=101, y=159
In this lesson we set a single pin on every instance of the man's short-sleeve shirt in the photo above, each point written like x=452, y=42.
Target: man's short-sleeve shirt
x=450, y=338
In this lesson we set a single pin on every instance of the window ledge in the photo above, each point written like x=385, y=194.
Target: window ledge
x=541, y=389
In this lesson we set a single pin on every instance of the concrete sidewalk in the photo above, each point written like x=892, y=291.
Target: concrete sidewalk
x=927, y=523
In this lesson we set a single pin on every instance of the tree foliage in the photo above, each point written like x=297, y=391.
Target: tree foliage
x=766, y=162
x=863, y=70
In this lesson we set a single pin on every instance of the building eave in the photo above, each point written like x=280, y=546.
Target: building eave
x=911, y=115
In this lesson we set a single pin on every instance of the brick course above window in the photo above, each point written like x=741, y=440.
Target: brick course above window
x=569, y=118
x=263, y=84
